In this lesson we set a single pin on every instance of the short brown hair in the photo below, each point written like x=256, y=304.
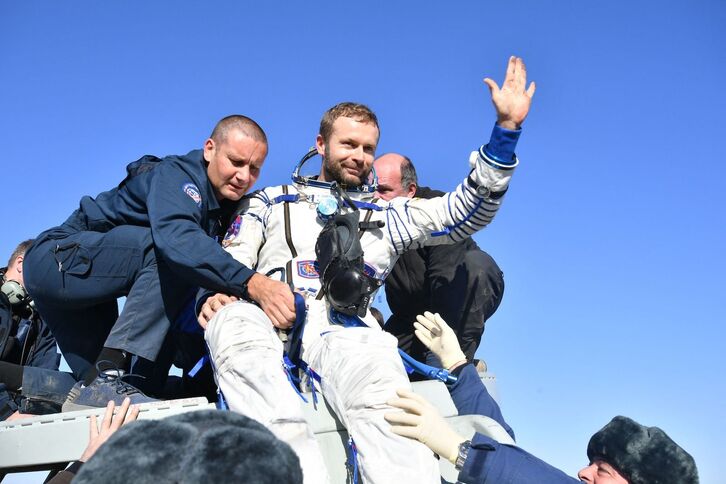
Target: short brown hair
x=246, y=125
x=357, y=111
x=20, y=250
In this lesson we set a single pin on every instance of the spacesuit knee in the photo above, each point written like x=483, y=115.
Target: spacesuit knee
x=361, y=368
x=238, y=329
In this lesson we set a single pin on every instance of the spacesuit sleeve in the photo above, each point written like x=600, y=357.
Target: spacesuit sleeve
x=411, y=223
x=247, y=233
x=176, y=225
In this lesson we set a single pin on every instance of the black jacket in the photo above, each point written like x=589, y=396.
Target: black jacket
x=38, y=346
x=459, y=281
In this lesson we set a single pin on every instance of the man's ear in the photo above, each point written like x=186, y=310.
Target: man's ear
x=209, y=148
x=411, y=190
x=19, y=263
x=320, y=144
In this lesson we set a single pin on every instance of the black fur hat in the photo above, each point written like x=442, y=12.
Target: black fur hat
x=642, y=455
x=202, y=446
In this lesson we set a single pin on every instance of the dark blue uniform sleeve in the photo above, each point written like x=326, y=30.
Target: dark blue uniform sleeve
x=491, y=462
x=45, y=353
x=488, y=460
x=176, y=220
x=6, y=317
x=472, y=398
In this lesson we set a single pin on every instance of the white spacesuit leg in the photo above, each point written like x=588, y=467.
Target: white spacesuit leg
x=247, y=356
x=360, y=370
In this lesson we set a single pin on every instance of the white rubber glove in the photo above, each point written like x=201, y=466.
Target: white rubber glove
x=433, y=331
x=421, y=421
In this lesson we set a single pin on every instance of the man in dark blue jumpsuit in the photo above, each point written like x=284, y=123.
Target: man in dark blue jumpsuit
x=30, y=382
x=153, y=239
x=622, y=452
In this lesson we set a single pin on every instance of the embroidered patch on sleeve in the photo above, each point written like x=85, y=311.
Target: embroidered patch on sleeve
x=232, y=231
x=193, y=192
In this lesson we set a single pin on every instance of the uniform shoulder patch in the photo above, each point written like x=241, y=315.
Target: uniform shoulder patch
x=193, y=192
x=232, y=231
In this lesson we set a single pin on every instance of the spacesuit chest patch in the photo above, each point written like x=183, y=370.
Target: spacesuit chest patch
x=309, y=268
x=232, y=231
x=369, y=270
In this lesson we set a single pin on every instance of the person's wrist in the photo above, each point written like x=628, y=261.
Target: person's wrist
x=508, y=124
x=254, y=286
x=452, y=360
x=456, y=365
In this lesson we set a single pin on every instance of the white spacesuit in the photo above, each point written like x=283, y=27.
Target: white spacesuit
x=360, y=368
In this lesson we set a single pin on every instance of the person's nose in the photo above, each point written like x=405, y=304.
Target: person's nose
x=242, y=176
x=587, y=474
x=359, y=155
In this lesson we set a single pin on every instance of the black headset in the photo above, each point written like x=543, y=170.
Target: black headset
x=15, y=292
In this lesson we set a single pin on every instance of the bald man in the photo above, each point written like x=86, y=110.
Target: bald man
x=460, y=281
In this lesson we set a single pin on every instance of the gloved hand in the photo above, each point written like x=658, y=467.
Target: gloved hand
x=433, y=331
x=421, y=421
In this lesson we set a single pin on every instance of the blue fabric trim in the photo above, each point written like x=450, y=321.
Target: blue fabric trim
x=351, y=462
x=336, y=317
x=447, y=230
x=255, y=216
x=405, y=227
x=365, y=205
x=198, y=366
x=498, y=164
x=502, y=144
x=392, y=214
x=294, y=381
x=448, y=204
x=285, y=198
x=390, y=234
x=221, y=401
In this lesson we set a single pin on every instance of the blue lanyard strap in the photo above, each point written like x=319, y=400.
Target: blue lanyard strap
x=427, y=370
x=351, y=462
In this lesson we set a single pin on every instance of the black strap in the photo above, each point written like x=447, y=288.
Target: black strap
x=366, y=221
x=288, y=237
x=363, y=225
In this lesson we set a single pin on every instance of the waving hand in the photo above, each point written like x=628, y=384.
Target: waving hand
x=512, y=101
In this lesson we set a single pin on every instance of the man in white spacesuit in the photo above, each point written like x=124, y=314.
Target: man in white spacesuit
x=355, y=363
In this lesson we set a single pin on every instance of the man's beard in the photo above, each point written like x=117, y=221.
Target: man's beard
x=335, y=172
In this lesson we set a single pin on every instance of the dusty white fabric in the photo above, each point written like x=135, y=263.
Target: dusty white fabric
x=247, y=356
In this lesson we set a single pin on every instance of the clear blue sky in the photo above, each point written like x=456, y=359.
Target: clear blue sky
x=611, y=237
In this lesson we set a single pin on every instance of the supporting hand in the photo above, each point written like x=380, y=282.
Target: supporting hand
x=211, y=306
x=18, y=416
x=512, y=102
x=110, y=424
x=438, y=336
x=422, y=422
x=275, y=298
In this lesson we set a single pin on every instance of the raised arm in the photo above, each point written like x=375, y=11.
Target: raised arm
x=475, y=202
